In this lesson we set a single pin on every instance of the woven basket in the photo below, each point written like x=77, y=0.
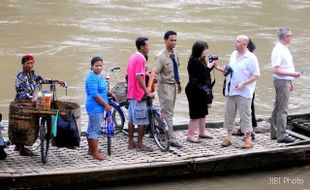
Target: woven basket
x=120, y=91
x=23, y=128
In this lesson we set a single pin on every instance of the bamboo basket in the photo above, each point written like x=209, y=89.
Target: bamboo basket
x=23, y=127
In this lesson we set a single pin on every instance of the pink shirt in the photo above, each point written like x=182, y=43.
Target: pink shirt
x=136, y=66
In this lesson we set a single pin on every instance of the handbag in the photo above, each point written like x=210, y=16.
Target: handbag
x=208, y=92
x=206, y=88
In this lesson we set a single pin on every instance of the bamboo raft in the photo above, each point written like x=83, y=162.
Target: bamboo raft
x=75, y=168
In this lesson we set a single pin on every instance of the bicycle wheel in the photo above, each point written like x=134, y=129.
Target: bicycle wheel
x=160, y=131
x=45, y=135
x=109, y=144
x=118, y=118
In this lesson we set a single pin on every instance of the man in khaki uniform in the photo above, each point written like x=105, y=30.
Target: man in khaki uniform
x=166, y=69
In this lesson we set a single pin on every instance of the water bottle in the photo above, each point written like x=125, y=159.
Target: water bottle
x=109, y=122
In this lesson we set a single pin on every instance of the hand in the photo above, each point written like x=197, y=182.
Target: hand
x=61, y=82
x=179, y=88
x=150, y=94
x=115, y=98
x=210, y=65
x=297, y=74
x=108, y=108
x=149, y=88
x=291, y=86
x=239, y=86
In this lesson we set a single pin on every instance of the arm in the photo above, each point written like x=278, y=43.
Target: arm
x=110, y=93
x=142, y=85
x=244, y=83
x=100, y=100
x=278, y=71
x=151, y=79
x=218, y=67
x=61, y=82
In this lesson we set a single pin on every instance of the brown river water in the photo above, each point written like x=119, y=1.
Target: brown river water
x=64, y=35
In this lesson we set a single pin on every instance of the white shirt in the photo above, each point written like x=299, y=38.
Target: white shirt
x=243, y=69
x=282, y=57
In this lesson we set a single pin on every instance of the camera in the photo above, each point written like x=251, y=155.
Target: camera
x=212, y=58
x=227, y=70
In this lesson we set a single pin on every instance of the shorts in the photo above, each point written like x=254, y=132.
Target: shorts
x=94, y=125
x=137, y=112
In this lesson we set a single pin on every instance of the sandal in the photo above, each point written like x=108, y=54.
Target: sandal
x=132, y=145
x=247, y=145
x=205, y=136
x=226, y=143
x=144, y=148
x=193, y=140
x=238, y=133
x=26, y=152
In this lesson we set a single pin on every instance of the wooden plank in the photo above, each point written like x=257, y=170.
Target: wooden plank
x=300, y=136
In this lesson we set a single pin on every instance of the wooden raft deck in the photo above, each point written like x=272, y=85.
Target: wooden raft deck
x=74, y=168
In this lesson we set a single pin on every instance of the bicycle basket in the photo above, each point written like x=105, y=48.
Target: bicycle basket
x=23, y=128
x=120, y=91
x=70, y=107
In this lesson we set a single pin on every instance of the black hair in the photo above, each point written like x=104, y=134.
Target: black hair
x=198, y=48
x=169, y=33
x=95, y=59
x=251, y=46
x=140, y=41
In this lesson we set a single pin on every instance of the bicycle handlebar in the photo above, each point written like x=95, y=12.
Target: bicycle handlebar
x=114, y=69
x=111, y=70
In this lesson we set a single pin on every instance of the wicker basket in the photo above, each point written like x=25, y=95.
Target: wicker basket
x=120, y=91
x=23, y=128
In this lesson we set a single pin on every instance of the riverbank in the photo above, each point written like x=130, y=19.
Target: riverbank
x=74, y=168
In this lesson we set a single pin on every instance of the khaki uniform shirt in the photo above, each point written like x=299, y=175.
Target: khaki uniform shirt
x=163, y=66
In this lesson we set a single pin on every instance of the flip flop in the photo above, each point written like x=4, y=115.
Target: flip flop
x=144, y=148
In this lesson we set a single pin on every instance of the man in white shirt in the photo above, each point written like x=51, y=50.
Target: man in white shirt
x=283, y=70
x=240, y=87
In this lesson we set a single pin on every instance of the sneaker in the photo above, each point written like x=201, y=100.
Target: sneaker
x=176, y=144
x=286, y=139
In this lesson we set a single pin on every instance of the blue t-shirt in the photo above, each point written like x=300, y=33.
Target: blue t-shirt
x=95, y=85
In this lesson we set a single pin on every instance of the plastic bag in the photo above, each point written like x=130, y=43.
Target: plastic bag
x=67, y=132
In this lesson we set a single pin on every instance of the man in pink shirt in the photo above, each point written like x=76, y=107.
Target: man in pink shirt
x=137, y=112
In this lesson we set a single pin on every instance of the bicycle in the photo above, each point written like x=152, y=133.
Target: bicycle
x=45, y=123
x=108, y=131
x=157, y=127
x=113, y=121
x=3, y=144
x=118, y=115
x=157, y=124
